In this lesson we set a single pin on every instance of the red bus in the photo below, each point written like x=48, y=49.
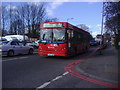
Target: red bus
x=62, y=39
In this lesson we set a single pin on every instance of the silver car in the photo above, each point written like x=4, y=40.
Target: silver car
x=11, y=48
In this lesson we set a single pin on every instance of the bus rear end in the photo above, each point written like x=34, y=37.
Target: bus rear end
x=53, y=39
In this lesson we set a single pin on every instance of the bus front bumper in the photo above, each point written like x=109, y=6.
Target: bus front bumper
x=48, y=53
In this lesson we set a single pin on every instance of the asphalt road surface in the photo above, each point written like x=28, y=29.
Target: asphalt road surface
x=35, y=71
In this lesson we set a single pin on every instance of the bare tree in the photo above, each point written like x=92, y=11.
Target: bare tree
x=4, y=17
x=25, y=17
x=10, y=17
x=3, y=20
x=33, y=16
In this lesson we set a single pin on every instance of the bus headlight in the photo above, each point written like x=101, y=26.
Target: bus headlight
x=64, y=48
x=40, y=47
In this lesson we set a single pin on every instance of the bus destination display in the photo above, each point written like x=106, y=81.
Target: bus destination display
x=53, y=25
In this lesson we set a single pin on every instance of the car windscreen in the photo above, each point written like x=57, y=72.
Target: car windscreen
x=21, y=43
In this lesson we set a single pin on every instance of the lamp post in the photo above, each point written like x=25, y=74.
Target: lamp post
x=69, y=19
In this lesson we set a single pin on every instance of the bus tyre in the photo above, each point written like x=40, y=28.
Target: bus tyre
x=30, y=51
x=10, y=53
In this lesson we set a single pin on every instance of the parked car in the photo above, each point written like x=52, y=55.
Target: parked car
x=3, y=39
x=93, y=43
x=35, y=45
x=11, y=48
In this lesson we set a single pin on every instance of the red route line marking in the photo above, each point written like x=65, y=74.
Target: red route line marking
x=69, y=67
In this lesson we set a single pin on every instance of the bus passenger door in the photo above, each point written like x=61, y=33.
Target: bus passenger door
x=70, y=41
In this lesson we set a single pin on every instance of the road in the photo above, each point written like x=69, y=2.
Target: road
x=35, y=71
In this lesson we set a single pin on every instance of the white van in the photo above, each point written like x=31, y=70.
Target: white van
x=15, y=37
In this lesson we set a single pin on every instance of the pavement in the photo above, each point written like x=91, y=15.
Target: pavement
x=102, y=67
x=99, y=67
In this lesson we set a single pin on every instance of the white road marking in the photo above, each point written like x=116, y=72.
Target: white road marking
x=13, y=59
x=43, y=86
x=65, y=73
x=9, y=59
x=23, y=57
x=47, y=83
x=58, y=77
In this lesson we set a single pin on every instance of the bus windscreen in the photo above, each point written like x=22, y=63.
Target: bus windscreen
x=52, y=34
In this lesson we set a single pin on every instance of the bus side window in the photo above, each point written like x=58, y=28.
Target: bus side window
x=71, y=35
x=75, y=36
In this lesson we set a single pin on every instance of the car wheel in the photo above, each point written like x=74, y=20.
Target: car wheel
x=31, y=51
x=10, y=53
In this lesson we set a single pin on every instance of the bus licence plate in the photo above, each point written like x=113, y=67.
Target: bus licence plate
x=50, y=54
